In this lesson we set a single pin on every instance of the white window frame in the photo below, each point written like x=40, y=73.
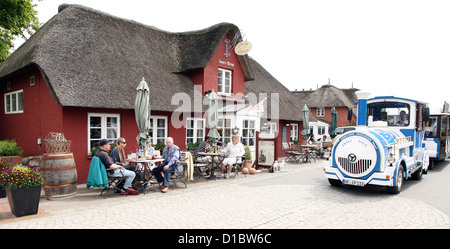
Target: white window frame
x=153, y=132
x=321, y=129
x=221, y=123
x=246, y=139
x=320, y=112
x=269, y=128
x=294, y=132
x=103, y=127
x=195, y=136
x=15, y=104
x=221, y=81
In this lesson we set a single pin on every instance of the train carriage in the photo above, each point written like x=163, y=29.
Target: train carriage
x=386, y=146
x=437, y=137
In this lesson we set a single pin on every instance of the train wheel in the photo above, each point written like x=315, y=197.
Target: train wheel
x=334, y=182
x=418, y=174
x=431, y=164
x=400, y=178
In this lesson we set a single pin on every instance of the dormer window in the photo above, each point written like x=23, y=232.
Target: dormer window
x=320, y=112
x=224, y=81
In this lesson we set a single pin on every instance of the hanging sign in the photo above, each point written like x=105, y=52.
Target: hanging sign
x=243, y=48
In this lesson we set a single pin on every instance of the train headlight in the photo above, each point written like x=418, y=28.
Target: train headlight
x=391, y=159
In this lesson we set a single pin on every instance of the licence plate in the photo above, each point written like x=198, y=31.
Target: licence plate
x=354, y=182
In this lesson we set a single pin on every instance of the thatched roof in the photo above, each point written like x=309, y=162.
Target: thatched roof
x=328, y=96
x=92, y=59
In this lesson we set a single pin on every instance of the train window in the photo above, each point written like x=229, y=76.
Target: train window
x=394, y=113
x=445, y=130
x=431, y=127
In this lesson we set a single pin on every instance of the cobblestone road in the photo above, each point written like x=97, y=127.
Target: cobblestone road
x=236, y=203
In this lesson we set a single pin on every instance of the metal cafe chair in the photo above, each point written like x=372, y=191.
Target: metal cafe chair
x=238, y=166
x=291, y=155
x=180, y=177
x=200, y=165
x=114, y=182
x=183, y=175
x=98, y=177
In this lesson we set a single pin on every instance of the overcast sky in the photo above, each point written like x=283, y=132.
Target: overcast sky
x=386, y=47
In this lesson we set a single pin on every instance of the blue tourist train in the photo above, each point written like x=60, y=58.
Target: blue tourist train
x=385, y=148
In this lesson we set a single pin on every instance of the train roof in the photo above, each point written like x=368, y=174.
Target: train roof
x=398, y=98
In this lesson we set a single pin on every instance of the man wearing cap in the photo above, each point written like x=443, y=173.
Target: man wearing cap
x=114, y=169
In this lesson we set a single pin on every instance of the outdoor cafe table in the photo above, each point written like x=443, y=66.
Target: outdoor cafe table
x=308, y=150
x=146, y=162
x=213, y=167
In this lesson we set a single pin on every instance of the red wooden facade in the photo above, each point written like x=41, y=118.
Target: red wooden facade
x=342, y=117
x=41, y=114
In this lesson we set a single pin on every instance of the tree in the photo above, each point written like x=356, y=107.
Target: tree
x=17, y=18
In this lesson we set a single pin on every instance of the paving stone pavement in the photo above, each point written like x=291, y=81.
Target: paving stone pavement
x=233, y=203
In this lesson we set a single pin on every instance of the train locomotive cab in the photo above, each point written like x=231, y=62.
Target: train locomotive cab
x=385, y=148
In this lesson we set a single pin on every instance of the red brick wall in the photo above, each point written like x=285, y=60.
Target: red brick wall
x=75, y=120
x=75, y=129
x=41, y=114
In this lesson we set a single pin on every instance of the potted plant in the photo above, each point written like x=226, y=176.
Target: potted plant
x=23, y=189
x=248, y=157
x=10, y=151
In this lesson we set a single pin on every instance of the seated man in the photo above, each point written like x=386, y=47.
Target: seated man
x=171, y=155
x=204, y=146
x=114, y=169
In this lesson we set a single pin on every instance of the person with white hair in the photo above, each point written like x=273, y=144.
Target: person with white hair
x=172, y=162
x=235, y=151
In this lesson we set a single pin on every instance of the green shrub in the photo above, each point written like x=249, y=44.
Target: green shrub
x=159, y=146
x=10, y=148
x=96, y=148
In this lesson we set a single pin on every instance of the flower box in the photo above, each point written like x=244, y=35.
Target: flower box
x=23, y=188
x=24, y=201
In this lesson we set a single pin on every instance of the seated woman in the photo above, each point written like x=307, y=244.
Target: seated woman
x=118, y=154
x=235, y=151
x=150, y=154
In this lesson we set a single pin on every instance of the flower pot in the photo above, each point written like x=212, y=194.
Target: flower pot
x=24, y=201
x=2, y=192
x=12, y=159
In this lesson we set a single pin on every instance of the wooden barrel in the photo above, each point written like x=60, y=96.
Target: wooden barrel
x=60, y=175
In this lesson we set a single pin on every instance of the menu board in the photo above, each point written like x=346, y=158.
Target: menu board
x=266, y=152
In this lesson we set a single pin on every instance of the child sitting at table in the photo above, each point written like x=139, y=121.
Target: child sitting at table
x=150, y=154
